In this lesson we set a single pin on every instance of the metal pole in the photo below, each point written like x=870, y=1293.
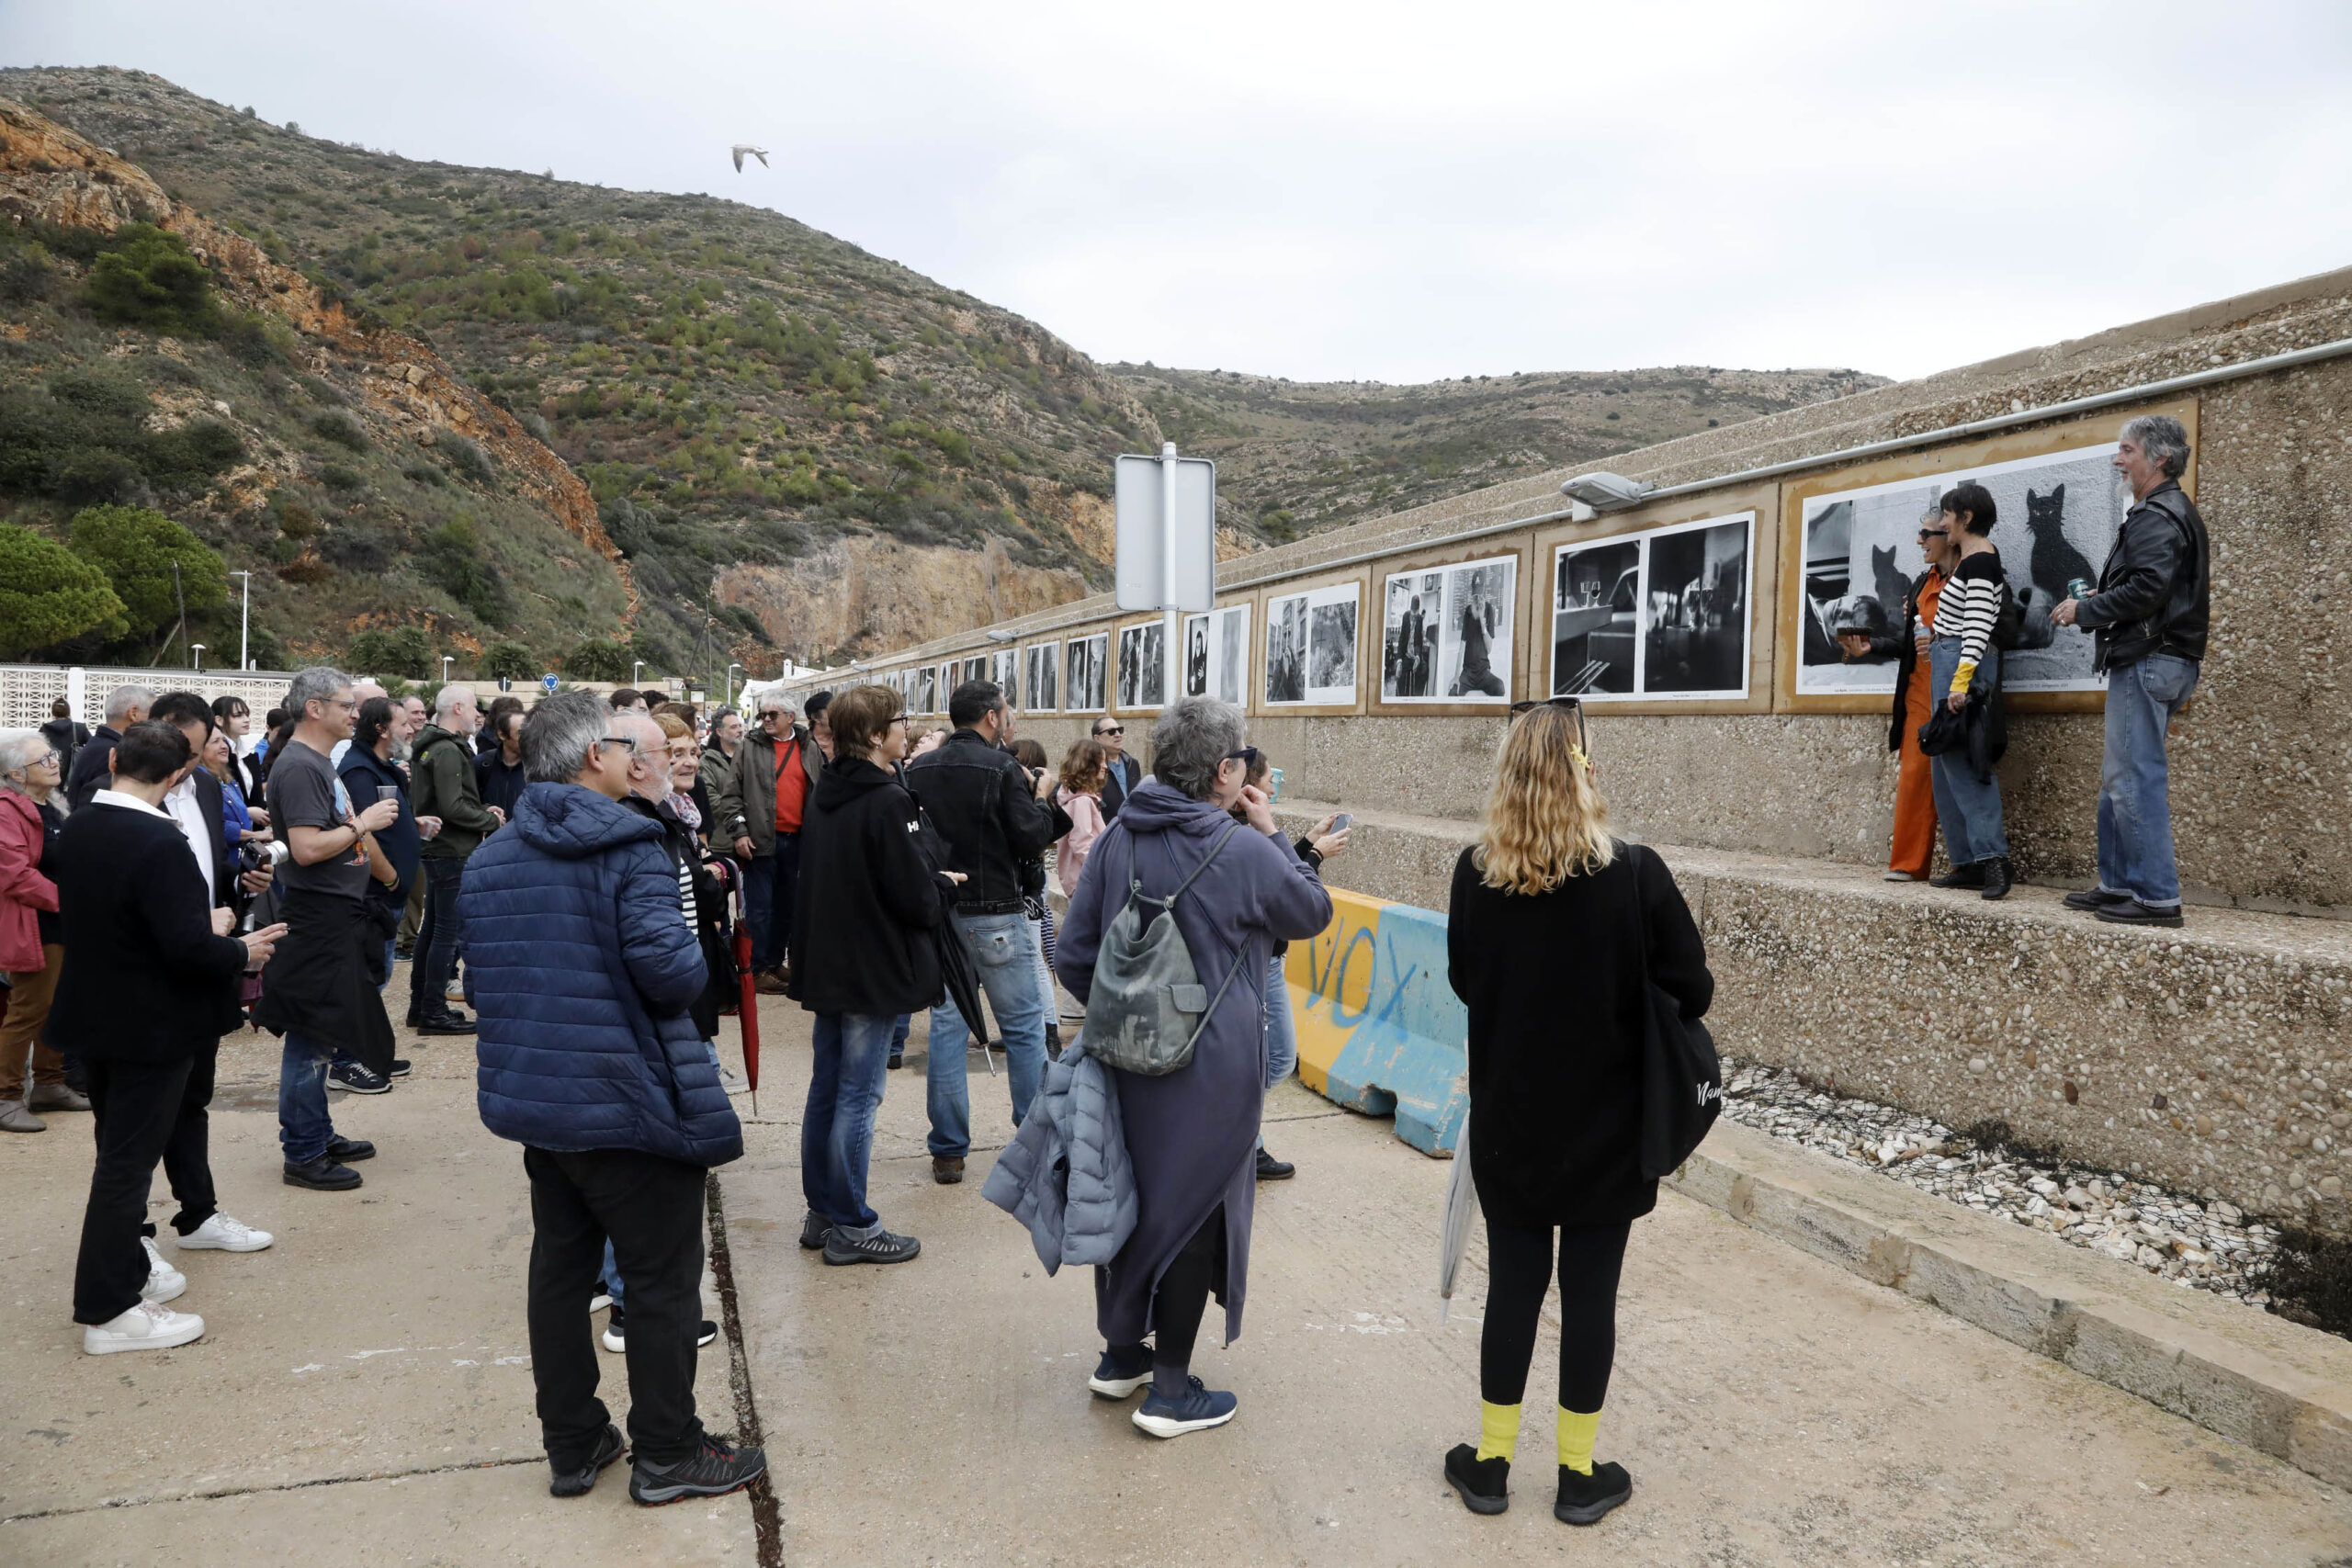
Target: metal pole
x=246, y=624
x=1167, y=688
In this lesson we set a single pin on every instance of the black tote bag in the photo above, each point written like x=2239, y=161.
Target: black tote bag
x=1682, y=1079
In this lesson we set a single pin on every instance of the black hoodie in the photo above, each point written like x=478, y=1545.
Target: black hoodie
x=870, y=897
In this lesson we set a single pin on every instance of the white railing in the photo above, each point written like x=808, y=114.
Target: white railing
x=27, y=691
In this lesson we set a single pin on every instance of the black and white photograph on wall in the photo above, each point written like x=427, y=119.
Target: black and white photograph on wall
x=1596, y=617
x=1143, y=668
x=1695, y=602
x=1004, y=669
x=1217, y=653
x=1042, y=663
x=1083, y=671
x=1449, y=630
x=925, y=696
x=1311, y=648
x=973, y=668
x=2055, y=518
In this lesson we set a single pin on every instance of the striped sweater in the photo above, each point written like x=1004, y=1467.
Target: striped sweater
x=1970, y=604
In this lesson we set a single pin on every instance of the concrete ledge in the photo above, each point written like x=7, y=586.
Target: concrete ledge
x=2250, y=1377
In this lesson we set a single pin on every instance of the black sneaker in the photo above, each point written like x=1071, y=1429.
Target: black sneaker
x=451, y=1021
x=350, y=1149
x=401, y=1065
x=1485, y=1483
x=714, y=1470
x=1961, y=876
x=812, y=1231
x=576, y=1483
x=322, y=1175
x=1584, y=1498
x=1273, y=1169
x=615, y=1336
x=898, y=1059
x=1121, y=1372
x=879, y=1247
x=2131, y=912
x=2092, y=899
x=358, y=1079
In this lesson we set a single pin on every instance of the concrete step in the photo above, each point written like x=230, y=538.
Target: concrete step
x=2214, y=1058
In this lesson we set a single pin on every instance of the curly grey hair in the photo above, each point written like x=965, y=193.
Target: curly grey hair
x=560, y=733
x=2164, y=439
x=1192, y=740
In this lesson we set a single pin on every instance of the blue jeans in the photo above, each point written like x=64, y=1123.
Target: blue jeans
x=837, y=1132
x=611, y=1278
x=304, y=1128
x=440, y=939
x=770, y=882
x=2135, y=806
x=1968, y=807
x=1282, y=1037
x=898, y=1028
x=1000, y=953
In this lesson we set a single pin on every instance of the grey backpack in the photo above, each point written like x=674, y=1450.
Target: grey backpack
x=1148, y=1006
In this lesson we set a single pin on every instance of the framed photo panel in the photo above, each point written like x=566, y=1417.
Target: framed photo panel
x=924, y=696
x=1661, y=614
x=1446, y=633
x=1085, y=667
x=1217, y=655
x=1313, y=653
x=1143, y=668
x=1041, y=677
x=1004, y=669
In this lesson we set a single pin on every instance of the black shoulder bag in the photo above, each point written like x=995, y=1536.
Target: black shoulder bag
x=1682, y=1079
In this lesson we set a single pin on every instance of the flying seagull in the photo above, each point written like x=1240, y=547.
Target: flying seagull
x=760, y=152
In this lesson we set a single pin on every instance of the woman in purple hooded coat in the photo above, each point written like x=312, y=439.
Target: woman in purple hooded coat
x=1191, y=1135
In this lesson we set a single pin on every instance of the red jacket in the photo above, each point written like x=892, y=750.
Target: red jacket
x=23, y=889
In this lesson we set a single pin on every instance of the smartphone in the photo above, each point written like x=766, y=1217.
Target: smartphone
x=1343, y=821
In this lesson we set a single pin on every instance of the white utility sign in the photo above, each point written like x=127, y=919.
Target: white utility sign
x=1167, y=545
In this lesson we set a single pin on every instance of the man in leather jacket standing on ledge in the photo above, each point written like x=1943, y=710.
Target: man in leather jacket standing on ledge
x=2149, y=617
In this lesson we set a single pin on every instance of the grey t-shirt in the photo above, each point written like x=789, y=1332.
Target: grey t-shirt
x=305, y=793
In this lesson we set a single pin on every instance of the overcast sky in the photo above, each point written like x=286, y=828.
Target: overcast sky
x=1390, y=192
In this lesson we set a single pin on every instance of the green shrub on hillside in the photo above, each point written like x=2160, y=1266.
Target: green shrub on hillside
x=137, y=547
x=403, y=650
x=508, y=660
x=598, y=658
x=340, y=428
x=84, y=439
x=48, y=594
x=149, y=278
x=456, y=560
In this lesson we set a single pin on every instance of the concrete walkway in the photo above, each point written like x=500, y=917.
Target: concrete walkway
x=364, y=1393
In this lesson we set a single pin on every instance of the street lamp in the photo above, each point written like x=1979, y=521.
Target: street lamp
x=447, y=659
x=197, y=648
x=244, y=626
x=730, y=683
x=634, y=666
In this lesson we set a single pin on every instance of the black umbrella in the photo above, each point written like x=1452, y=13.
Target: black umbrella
x=963, y=986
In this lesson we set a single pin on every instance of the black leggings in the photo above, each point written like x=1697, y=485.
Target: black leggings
x=1182, y=1296
x=1519, y=1269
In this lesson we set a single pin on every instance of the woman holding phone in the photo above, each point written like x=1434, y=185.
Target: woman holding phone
x=1555, y=1064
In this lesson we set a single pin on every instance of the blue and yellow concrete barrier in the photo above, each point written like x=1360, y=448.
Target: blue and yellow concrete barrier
x=1379, y=1029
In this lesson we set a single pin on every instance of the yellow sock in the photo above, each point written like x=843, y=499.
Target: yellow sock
x=1498, y=1430
x=1577, y=1433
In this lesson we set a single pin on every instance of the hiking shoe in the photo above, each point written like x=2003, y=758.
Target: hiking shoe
x=14, y=1118
x=576, y=1483
x=399, y=1067
x=56, y=1097
x=771, y=983
x=1485, y=1483
x=880, y=1248
x=150, y=1326
x=350, y=1149
x=898, y=1059
x=2131, y=912
x=1121, y=1371
x=225, y=1233
x=448, y=1021
x=165, y=1284
x=714, y=1470
x=1961, y=876
x=1584, y=1498
x=357, y=1079
x=1273, y=1169
x=946, y=1169
x=2091, y=899
x=615, y=1336
x=322, y=1175
x=1999, y=877
x=812, y=1231
x=1196, y=1410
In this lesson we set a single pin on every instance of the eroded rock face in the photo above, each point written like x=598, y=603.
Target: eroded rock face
x=873, y=592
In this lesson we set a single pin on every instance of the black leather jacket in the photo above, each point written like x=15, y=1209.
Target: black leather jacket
x=2155, y=590
x=981, y=802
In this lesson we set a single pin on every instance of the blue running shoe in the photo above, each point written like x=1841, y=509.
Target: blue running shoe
x=1121, y=1372
x=1195, y=1410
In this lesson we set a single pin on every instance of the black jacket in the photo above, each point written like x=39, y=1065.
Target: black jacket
x=1124, y=774
x=68, y=738
x=2155, y=590
x=1905, y=654
x=145, y=979
x=90, y=773
x=215, y=811
x=501, y=785
x=1555, y=1092
x=982, y=802
x=868, y=900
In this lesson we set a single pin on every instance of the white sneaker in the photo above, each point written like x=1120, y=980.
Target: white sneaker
x=599, y=1302
x=150, y=1326
x=164, y=1282
x=225, y=1233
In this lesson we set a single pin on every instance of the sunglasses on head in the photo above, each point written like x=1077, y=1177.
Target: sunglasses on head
x=1574, y=707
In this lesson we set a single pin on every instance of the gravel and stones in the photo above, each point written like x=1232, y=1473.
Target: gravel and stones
x=2204, y=1245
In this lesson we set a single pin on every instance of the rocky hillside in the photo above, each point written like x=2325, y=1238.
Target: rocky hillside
x=1294, y=457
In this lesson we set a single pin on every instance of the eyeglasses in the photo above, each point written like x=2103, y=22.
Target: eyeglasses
x=1115, y=729
x=1935, y=533
x=1247, y=757
x=620, y=741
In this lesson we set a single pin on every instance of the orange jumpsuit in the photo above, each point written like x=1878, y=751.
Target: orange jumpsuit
x=1915, y=790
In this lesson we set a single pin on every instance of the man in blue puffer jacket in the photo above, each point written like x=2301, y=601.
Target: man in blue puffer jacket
x=583, y=966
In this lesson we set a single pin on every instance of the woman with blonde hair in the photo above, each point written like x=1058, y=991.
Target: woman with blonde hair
x=1557, y=931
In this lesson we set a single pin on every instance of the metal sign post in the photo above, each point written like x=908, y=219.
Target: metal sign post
x=1167, y=545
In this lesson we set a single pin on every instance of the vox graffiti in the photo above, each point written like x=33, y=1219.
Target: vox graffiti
x=1379, y=1030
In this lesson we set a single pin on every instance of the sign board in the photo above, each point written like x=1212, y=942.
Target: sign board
x=1143, y=526
x=547, y=684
